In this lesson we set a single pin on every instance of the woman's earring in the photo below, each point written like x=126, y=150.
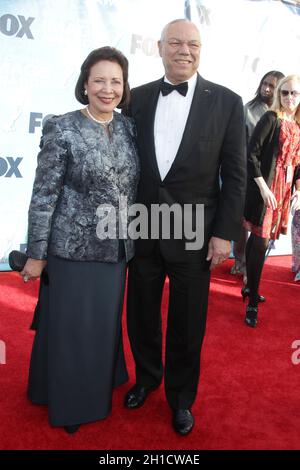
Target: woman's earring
x=85, y=92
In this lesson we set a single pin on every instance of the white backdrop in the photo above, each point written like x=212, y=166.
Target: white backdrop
x=44, y=42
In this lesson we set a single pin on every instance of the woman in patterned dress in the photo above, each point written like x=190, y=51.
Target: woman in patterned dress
x=273, y=173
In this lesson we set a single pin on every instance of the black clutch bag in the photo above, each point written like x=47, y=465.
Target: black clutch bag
x=17, y=260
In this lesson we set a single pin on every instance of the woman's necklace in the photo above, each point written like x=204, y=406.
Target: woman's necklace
x=103, y=123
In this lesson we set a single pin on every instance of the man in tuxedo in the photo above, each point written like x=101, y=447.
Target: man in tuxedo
x=190, y=132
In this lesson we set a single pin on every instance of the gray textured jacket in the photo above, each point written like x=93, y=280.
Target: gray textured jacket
x=79, y=168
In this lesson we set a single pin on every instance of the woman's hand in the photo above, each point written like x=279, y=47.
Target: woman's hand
x=268, y=197
x=295, y=200
x=33, y=269
x=266, y=193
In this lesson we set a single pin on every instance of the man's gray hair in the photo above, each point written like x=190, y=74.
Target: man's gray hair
x=179, y=20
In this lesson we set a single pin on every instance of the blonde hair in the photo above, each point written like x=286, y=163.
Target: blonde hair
x=276, y=106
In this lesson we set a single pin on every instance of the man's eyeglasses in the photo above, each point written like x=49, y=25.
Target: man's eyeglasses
x=293, y=93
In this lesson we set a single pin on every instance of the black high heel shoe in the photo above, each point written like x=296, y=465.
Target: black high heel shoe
x=246, y=291
x=251, y=316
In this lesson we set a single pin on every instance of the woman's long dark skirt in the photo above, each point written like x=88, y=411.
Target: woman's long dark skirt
x=77, y=356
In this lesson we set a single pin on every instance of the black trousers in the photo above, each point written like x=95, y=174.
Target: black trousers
x=189, y=286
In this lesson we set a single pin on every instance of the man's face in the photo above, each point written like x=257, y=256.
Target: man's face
x=180, y=51
x=267, y=89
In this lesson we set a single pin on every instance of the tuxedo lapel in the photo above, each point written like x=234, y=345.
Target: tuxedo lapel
x=201, y=106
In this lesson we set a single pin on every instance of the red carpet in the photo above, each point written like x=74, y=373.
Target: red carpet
x=249, y=392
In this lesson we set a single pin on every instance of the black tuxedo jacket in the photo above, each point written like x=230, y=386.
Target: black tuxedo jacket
x=212, y=146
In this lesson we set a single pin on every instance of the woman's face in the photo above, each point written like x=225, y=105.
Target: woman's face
x=267, y=88
x=104, y=88
x=290, y=96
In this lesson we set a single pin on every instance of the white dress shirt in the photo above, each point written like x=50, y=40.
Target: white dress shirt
x=170, y=119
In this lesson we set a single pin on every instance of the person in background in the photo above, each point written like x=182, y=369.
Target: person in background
x=88, y=159
x=254, y=110
x=273, y=172
x=189, y=131
x=296, y=244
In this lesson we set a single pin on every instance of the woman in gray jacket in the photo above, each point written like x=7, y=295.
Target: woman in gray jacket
x=87, y=169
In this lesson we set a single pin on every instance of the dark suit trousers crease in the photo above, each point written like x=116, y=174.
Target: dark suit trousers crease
x=189, y=286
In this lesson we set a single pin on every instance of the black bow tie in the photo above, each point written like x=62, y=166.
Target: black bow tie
x=167, y=88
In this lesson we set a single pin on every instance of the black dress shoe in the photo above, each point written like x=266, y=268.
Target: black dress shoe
x=251, y=316
x=17, y=260
x=183, y=421
x=71, y=429
x=246, y=292
x=136, y=396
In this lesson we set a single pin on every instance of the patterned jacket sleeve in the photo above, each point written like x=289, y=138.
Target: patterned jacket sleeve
x=48, y=183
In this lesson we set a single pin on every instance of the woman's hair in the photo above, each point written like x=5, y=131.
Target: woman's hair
x=103, y=53
x=273, y=73
x=276, y=106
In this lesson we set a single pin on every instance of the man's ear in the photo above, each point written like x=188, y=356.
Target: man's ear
x=159, y=45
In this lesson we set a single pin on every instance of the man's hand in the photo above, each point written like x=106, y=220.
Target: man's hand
x=218, y=251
